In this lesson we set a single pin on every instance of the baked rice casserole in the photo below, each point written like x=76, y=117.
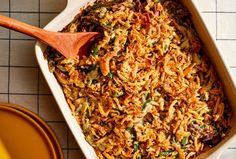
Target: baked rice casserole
x=147, y=89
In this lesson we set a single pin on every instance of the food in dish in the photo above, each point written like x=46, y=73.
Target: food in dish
x=147, y=89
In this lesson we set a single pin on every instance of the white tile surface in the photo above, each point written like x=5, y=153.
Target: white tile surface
x=60, y=130
x=24, y=56
x=226, y=23
x=72, y=142
x=43, y=86
x=228, y=154
x=4, y=45
x=210, y=20
x=23, y=80
x=75, y=154
x=26, y=101
x=25, y=5
x=4, y=98
x=227, y=48
x=65, y=154
x=46, y=18
x=233, y=71
x=3, y=79
x=46, y=5
x=226, y=5
x=206, y=5
x=4, y=5
x=48, y=109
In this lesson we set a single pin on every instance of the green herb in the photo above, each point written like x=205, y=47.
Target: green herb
x=136, y=146
x=148, y=101
x=185, y=148
x=139, y=157
x=118, y=94
x=110, y=75
x=156, y=1
x=166, y=153
x=184, y=141
x=166, y=47
x=215, y=131
x=107, y=25
x=89, y=81
x=102, y=123
x=203, y=126
x=61, y=68
x=146, y=95
x=95, y=51
x=131, y=131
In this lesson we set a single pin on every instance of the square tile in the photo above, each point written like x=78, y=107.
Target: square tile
x=22, y=48
x=52, y=5
x=25, y=5
x=4, y=52
x=43, y=86
x=4, y=98
x=75, y=154
x=45, y=18
x=65, y=153
x=226, y=22
x=4, y=5
x=233, y=72
x=26, y=101
x=60, y=130
x=3, y=80
x=227, y=49
x=228, y=153
x=29, y=18
x=24, y=80
x=226, y=5
x=48, y=109
x=210, y=21
x=72, y=143
x=206, y=5
x=4, y=33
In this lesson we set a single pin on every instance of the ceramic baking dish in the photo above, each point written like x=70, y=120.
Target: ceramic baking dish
x=66, y=16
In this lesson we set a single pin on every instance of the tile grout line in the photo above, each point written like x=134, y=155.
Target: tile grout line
x=9, y=55
x=29, y=12
x=216, y=19
x=18, y=66
x=226, y=39
x=30, y=94
x=39, y=23
x=227, y=12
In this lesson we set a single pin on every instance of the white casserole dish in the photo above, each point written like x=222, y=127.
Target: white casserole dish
x=66, y=16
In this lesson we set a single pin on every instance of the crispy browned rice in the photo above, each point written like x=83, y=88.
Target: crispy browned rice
x=147, y=90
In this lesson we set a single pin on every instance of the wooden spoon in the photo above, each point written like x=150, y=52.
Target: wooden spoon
x=68, y=44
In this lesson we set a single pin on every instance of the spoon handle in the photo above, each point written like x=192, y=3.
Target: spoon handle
x=22, y=27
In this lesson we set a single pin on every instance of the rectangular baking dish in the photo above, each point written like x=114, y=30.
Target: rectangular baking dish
x=67, y=15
